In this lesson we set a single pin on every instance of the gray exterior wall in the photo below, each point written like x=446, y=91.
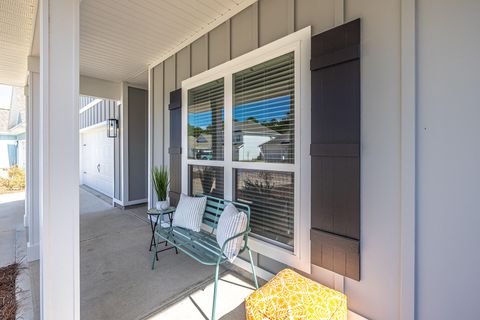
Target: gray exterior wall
x=84, y=100
x=259, y=24
x=376, y=296
x=106, y=109
x=102, y=111
x=137, y=143
x=448, y=156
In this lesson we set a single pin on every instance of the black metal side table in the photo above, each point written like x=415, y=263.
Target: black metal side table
x=155, y=216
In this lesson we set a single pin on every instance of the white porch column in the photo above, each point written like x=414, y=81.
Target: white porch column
x=33, y=157
x=59, y=163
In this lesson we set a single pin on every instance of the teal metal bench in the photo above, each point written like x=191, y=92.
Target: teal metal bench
x=202, y=246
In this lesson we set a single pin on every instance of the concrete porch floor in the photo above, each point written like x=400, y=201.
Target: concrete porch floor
x=11, y=219
x=116, y=280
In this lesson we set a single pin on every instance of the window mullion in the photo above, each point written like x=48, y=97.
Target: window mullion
x=228, y=172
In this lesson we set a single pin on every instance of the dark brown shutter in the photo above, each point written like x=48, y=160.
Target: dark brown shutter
x=175, y=149
x=335, y=149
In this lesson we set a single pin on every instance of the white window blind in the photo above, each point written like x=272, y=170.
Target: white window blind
x=263, y=112
x=206, y=180
x=270, y=195
x=206, y=121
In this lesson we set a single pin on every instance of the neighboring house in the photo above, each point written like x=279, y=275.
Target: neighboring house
x=248, y=137
x=12, y=132
x=201, y=147
x=278, y=149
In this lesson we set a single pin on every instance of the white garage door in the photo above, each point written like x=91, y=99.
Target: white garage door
x=96, y=160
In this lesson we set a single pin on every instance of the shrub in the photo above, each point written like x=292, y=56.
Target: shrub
x=15, y=180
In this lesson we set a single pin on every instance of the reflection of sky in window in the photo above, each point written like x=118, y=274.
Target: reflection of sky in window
x=263, y=111
x=201, y=119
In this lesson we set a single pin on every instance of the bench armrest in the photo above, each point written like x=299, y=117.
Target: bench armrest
x=246, y=232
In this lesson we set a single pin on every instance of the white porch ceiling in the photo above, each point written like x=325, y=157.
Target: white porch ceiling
x=120, y=39
x=17, y=21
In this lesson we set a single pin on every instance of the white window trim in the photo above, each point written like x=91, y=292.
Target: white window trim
x=299, y=43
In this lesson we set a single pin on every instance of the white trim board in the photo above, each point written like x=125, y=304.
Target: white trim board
x=33, y=252
x=135, y=202
x=129, y=203
x=59, y=160
x=150, y=137
x=117, y=201
x=298, y=43
x=261, y=273
x=123, y=130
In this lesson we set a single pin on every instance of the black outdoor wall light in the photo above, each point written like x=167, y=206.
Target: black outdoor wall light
x=112, y=128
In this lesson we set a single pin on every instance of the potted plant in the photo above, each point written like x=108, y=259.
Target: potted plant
x=161, y=182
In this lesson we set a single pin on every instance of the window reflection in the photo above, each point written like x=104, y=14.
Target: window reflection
x=270, y=195
x=263, y=112
x=206, y=180
x=206, y=121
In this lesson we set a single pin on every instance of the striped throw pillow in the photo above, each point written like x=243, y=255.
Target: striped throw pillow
x=189, y=212
x=230, y=223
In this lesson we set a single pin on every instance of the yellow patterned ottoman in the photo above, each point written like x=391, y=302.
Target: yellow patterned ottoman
x=290, y=296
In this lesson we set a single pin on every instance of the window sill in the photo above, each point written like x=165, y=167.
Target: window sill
x=290, y=258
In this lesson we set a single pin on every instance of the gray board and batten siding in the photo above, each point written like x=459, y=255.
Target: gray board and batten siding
x=102, y=111
x=257, y=25
x=376, y=296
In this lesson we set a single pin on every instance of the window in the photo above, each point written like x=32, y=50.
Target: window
x=248, y=140
x=206, y=121
x=206, y=180
x=264, y=132
x=270, y=196
x=263, y=112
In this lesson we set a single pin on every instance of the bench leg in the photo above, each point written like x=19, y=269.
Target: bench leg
x=253, y=268
x=175, y=243
x=155, y=254
x=214, y=306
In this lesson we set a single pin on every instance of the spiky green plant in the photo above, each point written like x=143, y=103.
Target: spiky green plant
x=161, y=182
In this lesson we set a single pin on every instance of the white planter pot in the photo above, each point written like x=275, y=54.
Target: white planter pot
x=162, y=205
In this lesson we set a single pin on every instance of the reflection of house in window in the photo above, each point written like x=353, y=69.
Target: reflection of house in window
x=279, y=149
x=201, y=147
x=248, y=137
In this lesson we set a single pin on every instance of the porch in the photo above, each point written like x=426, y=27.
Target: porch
x=116, y=277
x=267, y=102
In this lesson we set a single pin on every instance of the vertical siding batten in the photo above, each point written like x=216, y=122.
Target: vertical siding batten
x=158, y=116
x=169, y=82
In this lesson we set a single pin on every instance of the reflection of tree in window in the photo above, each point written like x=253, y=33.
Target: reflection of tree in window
x=270, y=195
x=206, y=180
x=207, y=176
